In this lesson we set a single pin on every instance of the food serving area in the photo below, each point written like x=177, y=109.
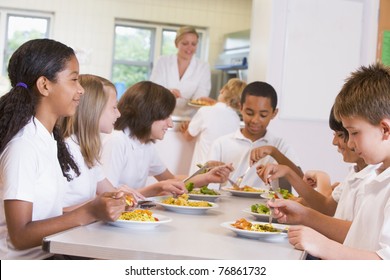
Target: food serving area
x=196, y=235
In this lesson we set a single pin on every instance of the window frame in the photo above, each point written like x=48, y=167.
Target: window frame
x=5, y=14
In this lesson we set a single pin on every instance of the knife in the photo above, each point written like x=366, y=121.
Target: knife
x=200, y=170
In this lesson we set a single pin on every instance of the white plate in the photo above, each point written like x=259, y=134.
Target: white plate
x=141, y=224
x=256, y=234
x=207, y=197
x=244, y=193
x=267, y=195
x=188, y=209
x=257, y=215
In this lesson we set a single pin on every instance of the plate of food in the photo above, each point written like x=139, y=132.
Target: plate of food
x=199, y=103
x=140, y=219
x=259, y=210
x=256, y=230
x=204, y=193
x=245, y=191
x=281, y=193
x=183, y=205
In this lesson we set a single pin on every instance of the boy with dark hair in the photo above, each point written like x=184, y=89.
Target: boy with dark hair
x=258, y=108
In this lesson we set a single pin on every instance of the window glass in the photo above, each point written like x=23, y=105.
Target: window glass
x=20, y=29
x=132, y=44
x=168, y=42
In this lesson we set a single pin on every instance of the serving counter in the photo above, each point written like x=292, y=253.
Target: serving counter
x=187, y=236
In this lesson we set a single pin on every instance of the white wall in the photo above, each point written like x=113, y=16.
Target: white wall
x=310, y=137
x=88, y=25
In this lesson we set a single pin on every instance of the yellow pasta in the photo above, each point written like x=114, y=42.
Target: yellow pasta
x=138, y=215
x=182, y=200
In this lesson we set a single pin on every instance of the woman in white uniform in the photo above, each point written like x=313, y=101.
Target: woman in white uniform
x=183, y=73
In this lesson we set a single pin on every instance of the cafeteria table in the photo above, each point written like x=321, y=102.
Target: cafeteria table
x=186, y=236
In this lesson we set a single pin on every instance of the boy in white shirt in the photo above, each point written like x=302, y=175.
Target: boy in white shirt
x=363, y=106
x=258, y=108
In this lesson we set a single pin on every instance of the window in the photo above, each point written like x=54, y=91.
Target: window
x=19, y=28
x=137, y=46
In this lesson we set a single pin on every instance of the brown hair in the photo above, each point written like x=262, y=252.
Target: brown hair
x=232, y=92
x=141, y=105
x=185, y=30
x=365, y=94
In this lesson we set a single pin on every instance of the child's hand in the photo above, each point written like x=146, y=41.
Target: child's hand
x=109, y=206
x=219, y=174
x=270, y=172
x=259, y=153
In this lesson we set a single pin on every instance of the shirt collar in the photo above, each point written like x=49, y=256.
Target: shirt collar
x=266, y=139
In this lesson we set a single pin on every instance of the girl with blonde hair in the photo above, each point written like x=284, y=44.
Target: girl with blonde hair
x=96, y=113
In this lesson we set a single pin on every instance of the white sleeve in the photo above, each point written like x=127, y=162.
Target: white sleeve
x=159, y=72
x=215, y=151
x=196, y=124
x=113, y=159
x=156, y=165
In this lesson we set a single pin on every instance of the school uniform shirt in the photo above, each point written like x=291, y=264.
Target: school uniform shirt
x=235, y=148
x=83, y=187
x=195, y=83
x=209, y=123
x=370, y=229
x=127, y=161
x=30, y=171
x=350, y=193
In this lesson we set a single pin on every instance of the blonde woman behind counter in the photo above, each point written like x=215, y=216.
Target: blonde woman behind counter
x=183, y=74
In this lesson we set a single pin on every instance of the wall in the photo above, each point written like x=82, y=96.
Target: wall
x=311, y=138
x=88, y=25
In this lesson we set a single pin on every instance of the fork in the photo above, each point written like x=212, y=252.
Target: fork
x=234, y=185
x=239, y=179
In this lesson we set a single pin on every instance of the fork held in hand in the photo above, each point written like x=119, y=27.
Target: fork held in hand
x=239, y=179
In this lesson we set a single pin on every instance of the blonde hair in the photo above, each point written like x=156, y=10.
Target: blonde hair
x=84, y=124
x=232, y=92
x=183, y=31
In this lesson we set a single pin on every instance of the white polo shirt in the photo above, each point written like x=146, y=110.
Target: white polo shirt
x=208, y=124
x=126, y=160
x=350, y=193
x=370, y=229
x=30, y=171
x=83, y=187
x=235, y=148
